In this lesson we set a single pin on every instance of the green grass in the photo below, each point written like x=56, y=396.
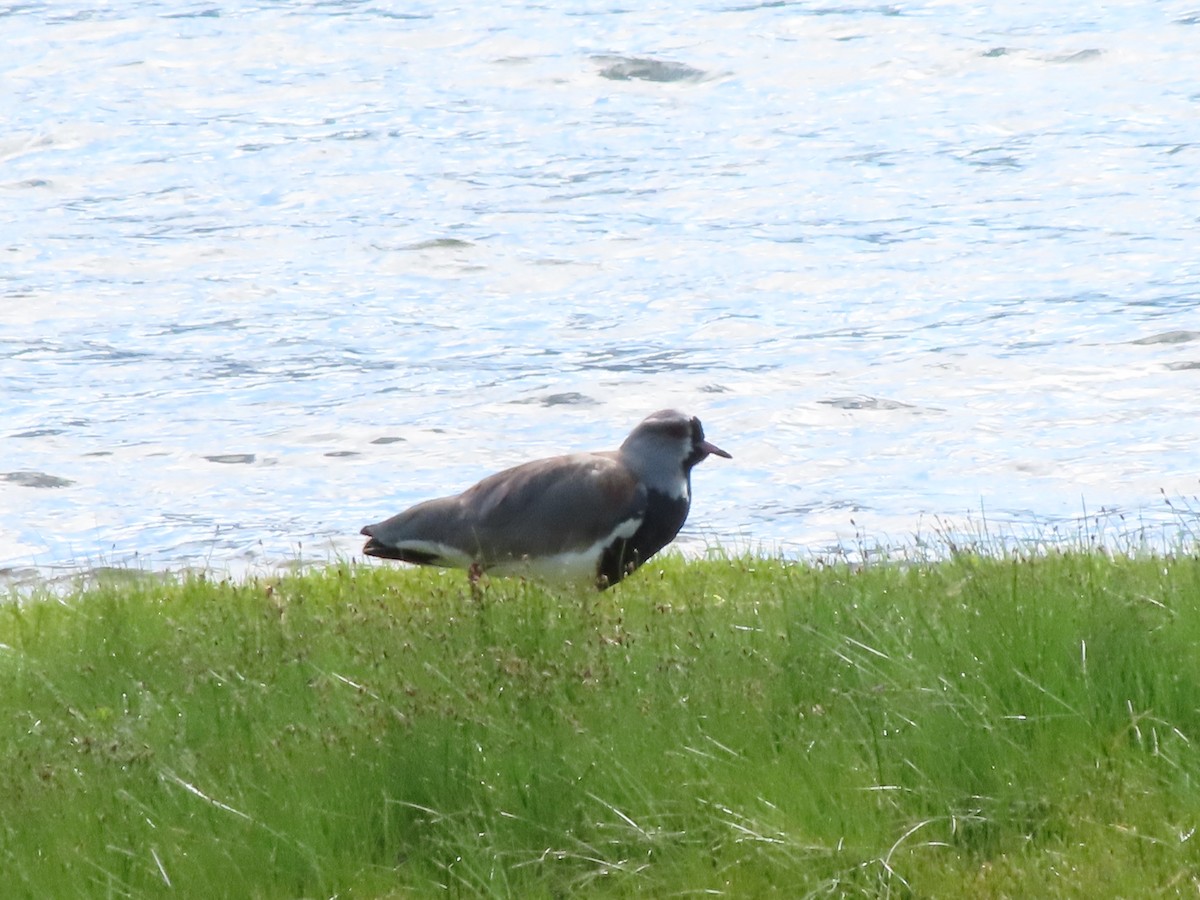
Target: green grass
x=748, y=727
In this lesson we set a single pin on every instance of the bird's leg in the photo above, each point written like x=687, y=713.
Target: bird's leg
x=474, y=573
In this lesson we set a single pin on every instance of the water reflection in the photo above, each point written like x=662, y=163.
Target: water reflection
x=273, y=273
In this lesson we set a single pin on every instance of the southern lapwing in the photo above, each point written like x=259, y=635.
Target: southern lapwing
x=591, y=517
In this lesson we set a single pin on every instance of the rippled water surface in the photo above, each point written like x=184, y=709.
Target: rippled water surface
x=273, y=271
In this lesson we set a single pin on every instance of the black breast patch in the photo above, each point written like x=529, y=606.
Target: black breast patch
x=664, y=517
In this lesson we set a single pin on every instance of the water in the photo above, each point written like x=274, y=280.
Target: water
x=273, y=272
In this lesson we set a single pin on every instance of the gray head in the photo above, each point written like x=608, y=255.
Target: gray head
x=665, y=446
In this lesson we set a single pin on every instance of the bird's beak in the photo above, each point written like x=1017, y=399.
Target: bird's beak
x=712, y=449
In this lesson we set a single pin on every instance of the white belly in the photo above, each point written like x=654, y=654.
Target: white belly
x=575, y=566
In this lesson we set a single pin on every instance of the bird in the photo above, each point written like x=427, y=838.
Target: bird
x=590, y=518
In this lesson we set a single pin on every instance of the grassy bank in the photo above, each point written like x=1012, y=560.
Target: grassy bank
x=971, y=728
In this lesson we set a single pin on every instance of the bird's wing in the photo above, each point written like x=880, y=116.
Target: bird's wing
x=551, y=506
x=428, y=533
